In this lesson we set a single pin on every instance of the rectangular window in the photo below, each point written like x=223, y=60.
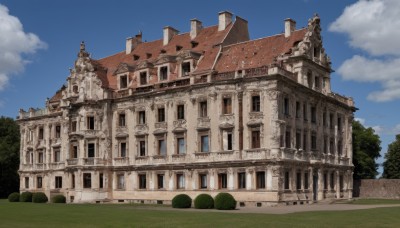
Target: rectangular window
x=160, y=181
x=305, y=144
x=286, y=104
x=120, y=181
x=298, y=140
x=142, y=181
x=162, y=147
x=255, y=103
x=143, y=78
x=241, y=180
x=26, y=182
x=204, y=143
x=39, y=182
x=316, y=82
x=227, y=106
x=203, y=109
x=313, y=115
x=298, y=181
x=288, y=140
x=123, y=82
x=325, y=181
x=325, y=145
x=185, y=69
x=331, y=121
x=74, y=151
x=58, y=131
x=306, y=183
x=313, y=141
x=229, y=140
x=58, y=182
x=203, y=180
x=287, y=181
x=297, y=109
x=161, y=115
x=255, y=139
x=181, y=112
x=40, y=157
x=90, y=123
x=90, y=150
x=142, y=117
x=180, y=181
x=73, y=181
x=57, y=155
x=332, y=181
x=339, y=148
x=74, y=126
x=41, y=133
x=222, y=180
x=181, y=146
x=101, y=181
x=121, y=120
x=339, y=123
x=142, y=148
x=305, y=112
x=341, y=183
x=331, y=146
x=87, y=180
x=123, y=149
x=163, y=73
x=324, y=119
x=260, y=176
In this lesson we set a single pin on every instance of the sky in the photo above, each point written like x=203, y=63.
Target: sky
x=39, y=41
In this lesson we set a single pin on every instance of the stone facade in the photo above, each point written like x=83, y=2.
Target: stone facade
x=201, y=112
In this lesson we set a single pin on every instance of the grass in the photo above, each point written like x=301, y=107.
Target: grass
x=126, y=215
x=374, y=201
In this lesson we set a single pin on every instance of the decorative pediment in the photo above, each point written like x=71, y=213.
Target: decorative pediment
x=83, y=63
x=187, y=54
x=163, y=58
x=123, y=68
x=144, y=64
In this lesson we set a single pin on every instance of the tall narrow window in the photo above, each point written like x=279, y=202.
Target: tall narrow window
x=40, y=157
x=163, y=73
x=331, y=125
x=288, y=139
x=325, y=181
x=180, y=181
x=142, y=117
x=313, y=141
x=87, y=180
x=255, y=139
x=58, y=182
x=203, y=109
x=185, y=69
x=227, y=106
x=260, y=176
x=142, y=148
x=305, y=141
x=339, y=148
x=298, y=140
x=306, y=182
x=332, y=180
x=161, y=114
x=204, y=143
x=143, y=78
x=181, y=112
x=181, y=146
x=120, y=181
x=298, y=181
x=316, y=82
x=90, y=150
x=313, y=115
x=339, y=123
x=222, y=180
x=305, y=112
x=242, y=180
x=286, y=104
x=324, y=119
x=58, y=131
x=101, y=180
x=123, y=82
x=325, y=145
x=41, y=133
x=162, y=147
x=39, y=182
x=142, y=181
x=255, y=103
x=74, y=151
x=331, y=146
x=57, y=154
x=203, y=181
x=26, y=182
x=123, y=149
x=297, y=109
x=74, y=126
x=229, y=140
x=121, y=120
x=73, y=181
x=90, y=123
x=341, y=183
x=287, y=180
x=160, y=181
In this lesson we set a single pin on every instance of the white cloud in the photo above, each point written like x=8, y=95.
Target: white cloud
x=361, y=120
x=378, y=129
x=373, y=26
x=14, y=43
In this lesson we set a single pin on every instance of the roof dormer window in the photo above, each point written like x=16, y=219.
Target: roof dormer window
x=143, y=78
x=178, y=48
x=136, y=57
x=163, y=51
x=194, y=44
x=163, y=73
x=148, y=55
x=123, y=82
x=185, y=69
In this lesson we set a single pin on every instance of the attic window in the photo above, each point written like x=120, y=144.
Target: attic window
x=143, y=78
x=185, y=69
x=194, y=44
x=178, y=48
x=123, y=82
x=163, y=51
x=148, y=55
x=135, y=57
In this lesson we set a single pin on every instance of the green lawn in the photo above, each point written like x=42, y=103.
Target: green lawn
x=105, y=215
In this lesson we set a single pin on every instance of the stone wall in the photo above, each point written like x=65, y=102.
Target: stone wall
x=377, y=188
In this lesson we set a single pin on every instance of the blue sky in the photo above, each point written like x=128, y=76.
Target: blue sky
x=360, y=40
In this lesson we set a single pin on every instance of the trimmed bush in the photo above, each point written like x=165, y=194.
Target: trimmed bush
x=224, y=201
x=204, y=201
x=58, y=199
x=25, y=197
x=39, y=197
x=13, y=197
x=182, y=201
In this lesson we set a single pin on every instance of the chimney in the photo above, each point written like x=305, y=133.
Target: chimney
x=290, y=26
x=169, y=32
x=133, y=42
x=224, y=19
x=195, y=27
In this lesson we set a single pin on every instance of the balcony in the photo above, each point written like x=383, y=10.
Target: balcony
x=257, y=153
x=142, y=160
x=40, y=166
x=203, y=122
x=160, y=159
x=57, y=165
x=161, y=125
x=229, y=155
x=178, y=158
x=288, y=153
x=121, y=161
x=72, y=161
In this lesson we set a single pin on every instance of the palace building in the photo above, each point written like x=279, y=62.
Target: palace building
x=205, y=111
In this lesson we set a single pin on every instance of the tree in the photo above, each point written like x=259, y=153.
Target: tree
x=9, y=156
x=366, y=149
x=391, y=166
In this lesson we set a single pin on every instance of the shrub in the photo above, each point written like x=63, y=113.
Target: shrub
x=58, y=199
x=204, y=201
x=39, y=197
x=224, y=201
x=25, y=197
x=13, y=197
x=182, y=201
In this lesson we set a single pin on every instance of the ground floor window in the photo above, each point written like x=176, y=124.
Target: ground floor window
x=26, y=182
x=87, y=180
x=73, y=181
x=160, y=181
x=203, y=180
x=306, y=182
x=180, y=181
x=287, y=180
x=341, y=183
x=325, y=181
x=242, y=180
x=142, y=181
x=332, y=180
x=222, y=180
x=101, y=182
x=120, y=181
x=39, y=182
x=58, y=182
x=260, y=177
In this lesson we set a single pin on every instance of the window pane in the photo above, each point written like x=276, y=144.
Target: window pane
x=204, y=143
x=181, y=146
x=162, y=147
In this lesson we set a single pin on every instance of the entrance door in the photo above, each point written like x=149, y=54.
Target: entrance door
x=315, y=186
